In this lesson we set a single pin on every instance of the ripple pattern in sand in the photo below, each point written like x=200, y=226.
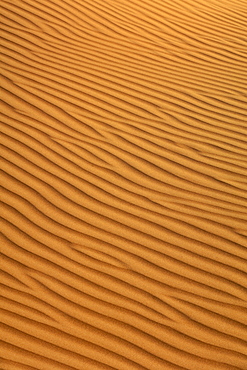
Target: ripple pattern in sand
x=123, y=185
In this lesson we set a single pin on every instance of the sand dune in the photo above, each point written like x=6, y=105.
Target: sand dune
x=123, y=184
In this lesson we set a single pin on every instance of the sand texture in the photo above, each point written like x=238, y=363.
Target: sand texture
x=123, y=185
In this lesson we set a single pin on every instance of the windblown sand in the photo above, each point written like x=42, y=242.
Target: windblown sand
x=124, y=184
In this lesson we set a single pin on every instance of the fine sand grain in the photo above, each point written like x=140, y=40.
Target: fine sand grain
x=123, y=184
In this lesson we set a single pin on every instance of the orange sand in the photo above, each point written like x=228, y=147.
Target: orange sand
x=124, y=184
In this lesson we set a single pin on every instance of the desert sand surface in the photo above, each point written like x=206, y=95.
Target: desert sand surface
x=123, y=185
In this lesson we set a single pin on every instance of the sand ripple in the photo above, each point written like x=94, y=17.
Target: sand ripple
x=123, y=184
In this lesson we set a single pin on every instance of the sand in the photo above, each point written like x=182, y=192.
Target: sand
x=123, y=184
